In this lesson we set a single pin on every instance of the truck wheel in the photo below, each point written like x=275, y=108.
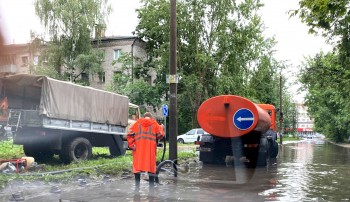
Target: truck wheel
x=263, y=152
x=40, y=154
x=273, y=149
x=76, y=150
x=181, y=141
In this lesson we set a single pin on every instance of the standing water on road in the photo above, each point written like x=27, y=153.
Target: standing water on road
x=304, y=171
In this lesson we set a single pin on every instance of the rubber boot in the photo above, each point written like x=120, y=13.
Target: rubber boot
x=137, y=179
x=151, y=179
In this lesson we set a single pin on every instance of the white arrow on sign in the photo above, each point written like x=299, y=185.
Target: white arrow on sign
x=240, y=119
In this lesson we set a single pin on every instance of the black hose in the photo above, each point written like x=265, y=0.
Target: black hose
x=164, y=148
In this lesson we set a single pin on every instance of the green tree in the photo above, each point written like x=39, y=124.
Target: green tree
x=70, y=24
x=327, y=101
x=137, y=87
x=327, y=76
x=221, y=49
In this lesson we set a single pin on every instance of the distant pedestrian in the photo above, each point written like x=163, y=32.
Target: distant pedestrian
x=142, y=139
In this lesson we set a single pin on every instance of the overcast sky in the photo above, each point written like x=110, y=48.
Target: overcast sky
x=293, y=40
x=18, y=18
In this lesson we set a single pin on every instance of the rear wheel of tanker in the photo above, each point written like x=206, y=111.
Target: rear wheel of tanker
x=263, y=153
x=273, y=149
x=78, y=149
x=40, y=154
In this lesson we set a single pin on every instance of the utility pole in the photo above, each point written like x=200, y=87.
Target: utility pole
x=173, y=79
x=281, y=111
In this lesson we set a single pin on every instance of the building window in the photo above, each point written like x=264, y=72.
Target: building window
x=24, y=60
x=84, y=77
x=102, y=77
x=117, y=54
x=36, y=60
x=103, y=54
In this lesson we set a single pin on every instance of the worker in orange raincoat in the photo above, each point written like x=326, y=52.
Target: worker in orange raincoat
x=142, y=139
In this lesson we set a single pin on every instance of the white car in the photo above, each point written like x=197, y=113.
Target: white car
x=191, y=136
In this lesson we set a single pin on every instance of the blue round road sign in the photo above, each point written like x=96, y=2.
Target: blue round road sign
x=243, y=119
x=165, y=110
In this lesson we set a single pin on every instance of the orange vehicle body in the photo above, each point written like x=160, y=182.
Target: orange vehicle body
x=237, y=128
x=271, y=110
x=217, y=116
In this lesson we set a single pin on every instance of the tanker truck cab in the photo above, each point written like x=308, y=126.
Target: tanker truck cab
x=271, y=134
x=240, y=131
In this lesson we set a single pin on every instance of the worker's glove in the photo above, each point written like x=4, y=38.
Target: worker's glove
x=132, y=148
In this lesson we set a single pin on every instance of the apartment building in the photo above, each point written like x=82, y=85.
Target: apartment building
x=114, y=48
x=18, y=58
x=304, y=121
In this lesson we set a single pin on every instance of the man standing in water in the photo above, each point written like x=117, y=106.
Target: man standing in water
x=142, y=139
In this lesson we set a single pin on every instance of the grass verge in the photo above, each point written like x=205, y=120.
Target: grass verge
x=285, y=138
x=54, y=170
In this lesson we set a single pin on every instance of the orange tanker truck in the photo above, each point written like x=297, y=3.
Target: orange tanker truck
x=239, y=130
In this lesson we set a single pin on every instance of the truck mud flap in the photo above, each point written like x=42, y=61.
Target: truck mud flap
x=118, y=148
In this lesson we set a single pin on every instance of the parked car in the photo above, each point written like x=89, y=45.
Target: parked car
x=191, y=136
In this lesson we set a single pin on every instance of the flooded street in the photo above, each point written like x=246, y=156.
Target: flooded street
x=311, y=170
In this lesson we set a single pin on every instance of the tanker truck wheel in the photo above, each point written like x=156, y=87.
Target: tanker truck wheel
x=78, y=149
x=263, y=153
x=273, y=149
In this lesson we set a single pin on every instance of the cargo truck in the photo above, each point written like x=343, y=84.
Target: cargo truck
x=49, y=117
x=239, y=130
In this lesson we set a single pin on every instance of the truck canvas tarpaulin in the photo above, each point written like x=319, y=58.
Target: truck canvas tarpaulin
x=64, y=100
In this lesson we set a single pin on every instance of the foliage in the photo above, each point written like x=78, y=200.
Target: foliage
x=10, y=151
x=70, y=25
x=329, y=17
x=326, y=76
x=221, y=50
x=134, y=81
x=327, y=100
x=289, y=113
x=45, y=70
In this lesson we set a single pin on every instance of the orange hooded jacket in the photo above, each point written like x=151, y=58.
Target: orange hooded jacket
x=142, y=138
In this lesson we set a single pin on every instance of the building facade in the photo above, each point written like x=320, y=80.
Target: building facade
x=114, y=48
x=17, y=58
x=20, y=58
x=305, y=123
